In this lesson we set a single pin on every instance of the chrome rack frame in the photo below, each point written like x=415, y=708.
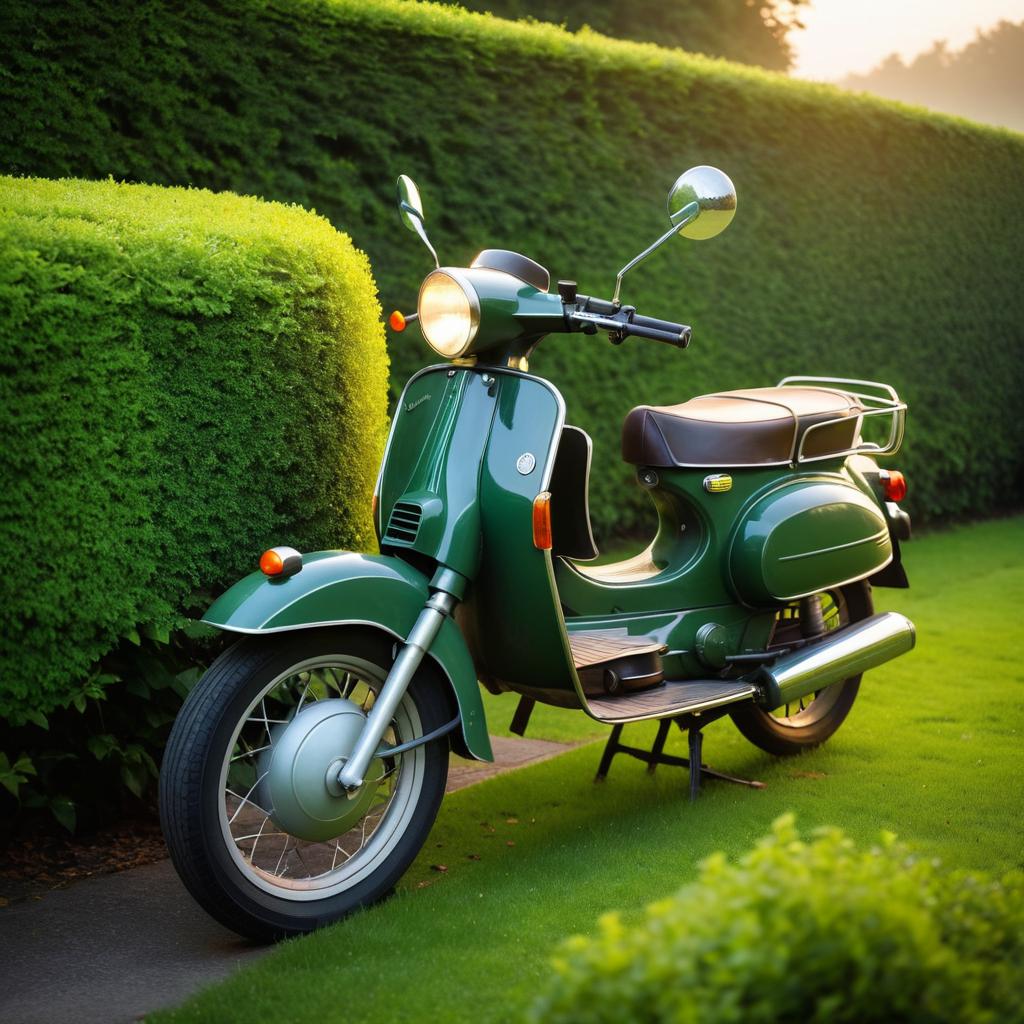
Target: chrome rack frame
x=878, y=400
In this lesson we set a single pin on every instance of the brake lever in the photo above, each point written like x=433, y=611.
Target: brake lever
x=596, y=320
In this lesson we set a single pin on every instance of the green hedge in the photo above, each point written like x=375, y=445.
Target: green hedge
x=872, y=240
x=187, y=379
x=805, y=932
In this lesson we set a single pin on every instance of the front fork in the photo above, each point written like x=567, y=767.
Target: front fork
x=437, y=608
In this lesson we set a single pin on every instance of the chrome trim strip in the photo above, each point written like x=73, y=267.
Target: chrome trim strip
x=879, y=535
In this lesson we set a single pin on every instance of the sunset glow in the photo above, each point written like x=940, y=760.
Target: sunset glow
x=844, y=36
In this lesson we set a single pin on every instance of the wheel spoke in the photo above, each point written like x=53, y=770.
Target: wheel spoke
x=256, y=841
x=258, y=835
x=284, y=850
x=305, y=694
x=337, y=850
x=249, y=752
x=245, y=799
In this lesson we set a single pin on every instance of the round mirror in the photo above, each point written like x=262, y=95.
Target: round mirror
x=702, y=202
x=410, y=206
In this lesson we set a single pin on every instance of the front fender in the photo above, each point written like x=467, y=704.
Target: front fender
x=341, y=588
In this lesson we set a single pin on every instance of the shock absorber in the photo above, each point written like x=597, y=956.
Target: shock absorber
x=812, y=623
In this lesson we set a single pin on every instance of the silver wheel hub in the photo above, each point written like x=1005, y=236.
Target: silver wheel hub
x=300, y=772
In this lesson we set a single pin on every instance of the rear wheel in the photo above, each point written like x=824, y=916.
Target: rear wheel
x=811, y=720
x=256, y=825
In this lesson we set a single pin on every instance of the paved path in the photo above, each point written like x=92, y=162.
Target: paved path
x=109, y=949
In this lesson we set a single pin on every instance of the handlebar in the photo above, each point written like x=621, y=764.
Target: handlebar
x=623, y=322
x=660, y=330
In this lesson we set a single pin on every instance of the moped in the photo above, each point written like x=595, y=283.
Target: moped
x=307, y=766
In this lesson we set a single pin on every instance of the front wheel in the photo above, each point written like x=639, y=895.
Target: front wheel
x=811, y=720
x=257, y=828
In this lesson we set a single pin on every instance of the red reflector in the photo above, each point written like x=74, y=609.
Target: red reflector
x=894, y=484
x=397, y=321
x=271, y=563
x=542, y=520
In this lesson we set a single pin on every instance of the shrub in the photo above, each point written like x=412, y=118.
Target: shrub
x=803, y=931
x=96, y=759
x=187, y=379
x=872, y=240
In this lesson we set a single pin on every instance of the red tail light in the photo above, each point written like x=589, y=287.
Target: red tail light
x=893, y=483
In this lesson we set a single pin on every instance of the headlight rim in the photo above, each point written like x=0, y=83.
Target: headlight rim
x=463, y=281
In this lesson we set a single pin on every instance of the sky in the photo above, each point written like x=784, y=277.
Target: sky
x=844, y=36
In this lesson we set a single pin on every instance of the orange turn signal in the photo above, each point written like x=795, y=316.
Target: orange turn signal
x=894, y=484
x=542, y=521
x=280, y=563
x=271, y=563
x=397, y=321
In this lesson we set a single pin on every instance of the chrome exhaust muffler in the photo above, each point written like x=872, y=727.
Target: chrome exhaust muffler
x=853, y=650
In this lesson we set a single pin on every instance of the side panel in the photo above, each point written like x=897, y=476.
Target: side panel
x=427, y=494
x=336, y=588
x=805, y=536
x=513, y=617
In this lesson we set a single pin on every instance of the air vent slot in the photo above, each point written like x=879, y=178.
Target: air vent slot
x=404, y=523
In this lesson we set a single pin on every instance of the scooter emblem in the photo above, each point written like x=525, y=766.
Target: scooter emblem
x=525, y=463
x=409, y=406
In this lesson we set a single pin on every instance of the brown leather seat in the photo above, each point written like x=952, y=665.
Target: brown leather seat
x=753, y=427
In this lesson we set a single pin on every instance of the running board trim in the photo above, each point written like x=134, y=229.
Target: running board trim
x=677, y=697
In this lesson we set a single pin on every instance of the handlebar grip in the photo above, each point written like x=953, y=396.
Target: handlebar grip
x=680, y=338
x=659, y=325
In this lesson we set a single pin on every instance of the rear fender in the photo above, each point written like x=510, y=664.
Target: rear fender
x=341, y=588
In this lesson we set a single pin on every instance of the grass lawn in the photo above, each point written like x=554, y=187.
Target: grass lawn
x=931, y=751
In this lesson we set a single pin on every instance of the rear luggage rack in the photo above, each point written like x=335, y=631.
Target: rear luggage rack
x=878, y=400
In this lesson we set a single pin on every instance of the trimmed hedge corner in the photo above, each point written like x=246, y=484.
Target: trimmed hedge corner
x=188, y=378
x=805, y=932
x=872, y=239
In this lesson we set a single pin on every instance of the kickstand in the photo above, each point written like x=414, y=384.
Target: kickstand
x=693, y=726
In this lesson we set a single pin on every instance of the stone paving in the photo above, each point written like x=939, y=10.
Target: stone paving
x=110, y=949
x=508, y=754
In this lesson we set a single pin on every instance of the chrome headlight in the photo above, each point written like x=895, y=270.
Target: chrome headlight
x=449, y=312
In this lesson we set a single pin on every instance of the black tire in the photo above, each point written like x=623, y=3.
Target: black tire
x=816, y=720
x=224, y=877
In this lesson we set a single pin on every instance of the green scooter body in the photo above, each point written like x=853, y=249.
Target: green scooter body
x=472, y=447
x=474, y=442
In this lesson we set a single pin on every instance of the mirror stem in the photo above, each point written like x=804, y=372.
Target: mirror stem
x=414, y=216
x=685, y=215
x=422, y=232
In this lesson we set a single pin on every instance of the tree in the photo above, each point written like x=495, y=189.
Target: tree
x=984, y=81
x=750, y=31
